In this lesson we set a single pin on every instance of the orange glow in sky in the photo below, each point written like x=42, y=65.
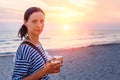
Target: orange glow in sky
x=61, y=12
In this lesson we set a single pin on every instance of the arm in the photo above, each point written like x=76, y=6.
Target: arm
x=37, y=75
x=48, y=69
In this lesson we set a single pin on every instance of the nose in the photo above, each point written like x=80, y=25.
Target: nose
x=39, y=24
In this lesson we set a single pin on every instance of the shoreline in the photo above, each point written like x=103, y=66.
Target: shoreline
x=109, y=44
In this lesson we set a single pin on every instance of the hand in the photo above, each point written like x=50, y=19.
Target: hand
x=52, y=68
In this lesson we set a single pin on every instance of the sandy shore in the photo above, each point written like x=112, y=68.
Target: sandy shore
x=101, y=62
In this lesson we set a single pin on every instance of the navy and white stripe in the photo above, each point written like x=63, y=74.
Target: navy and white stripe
x=27, y=61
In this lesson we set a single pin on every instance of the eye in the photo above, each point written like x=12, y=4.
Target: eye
x=41, y=21
x=34, y=21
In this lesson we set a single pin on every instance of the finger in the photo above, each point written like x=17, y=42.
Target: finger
x=57, y=65
x=56, y=71
x=61, y=64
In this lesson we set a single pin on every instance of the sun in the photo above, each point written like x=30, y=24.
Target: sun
x=66, y=27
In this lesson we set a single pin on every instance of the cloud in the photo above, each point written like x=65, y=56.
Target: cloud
x=82, y=3
x=86, y=10
x=9, y=15
x=106, y=12
x=15, y=9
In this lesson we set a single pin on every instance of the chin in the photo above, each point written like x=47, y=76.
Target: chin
x=38, y=33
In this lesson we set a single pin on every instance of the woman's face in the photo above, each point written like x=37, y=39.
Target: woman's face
x=35, y=23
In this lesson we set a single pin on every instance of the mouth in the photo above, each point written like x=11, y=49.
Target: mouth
x=38, y=30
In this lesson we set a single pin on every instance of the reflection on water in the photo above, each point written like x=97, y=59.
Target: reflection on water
x=61, y=39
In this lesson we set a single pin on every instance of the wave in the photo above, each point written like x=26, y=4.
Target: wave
x=105, y=44
x=7, y=43
x=16, y=39
x=84, y=38
x=74, y=47
x=85, y=46
x=2, y=40
x=7, y=54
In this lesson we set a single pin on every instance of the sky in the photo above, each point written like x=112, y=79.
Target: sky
x=87, y=14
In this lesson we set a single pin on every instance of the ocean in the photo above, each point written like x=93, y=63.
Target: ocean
x=9, y=40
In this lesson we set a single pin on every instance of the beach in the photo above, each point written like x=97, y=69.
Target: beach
x=95, y=62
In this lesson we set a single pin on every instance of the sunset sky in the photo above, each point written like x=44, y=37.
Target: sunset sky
x=65, y=12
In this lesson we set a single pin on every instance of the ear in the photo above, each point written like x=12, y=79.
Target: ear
x=25, y=23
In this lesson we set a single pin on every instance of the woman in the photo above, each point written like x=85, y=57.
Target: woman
x=29, y=64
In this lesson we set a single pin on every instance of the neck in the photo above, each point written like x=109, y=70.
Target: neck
x=34, y=39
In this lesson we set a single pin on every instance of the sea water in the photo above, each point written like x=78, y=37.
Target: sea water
x=9, y=40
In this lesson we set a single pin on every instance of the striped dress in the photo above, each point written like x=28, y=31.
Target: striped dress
x=28, y=61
